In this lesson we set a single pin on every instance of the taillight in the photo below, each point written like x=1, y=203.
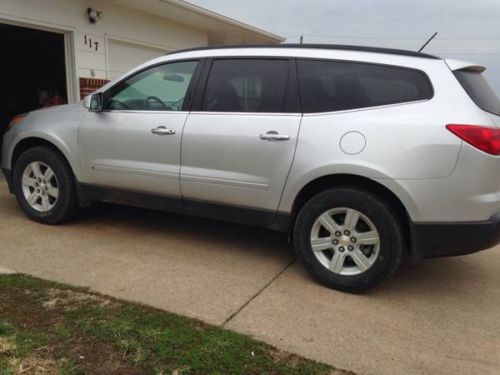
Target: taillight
x=485, y=138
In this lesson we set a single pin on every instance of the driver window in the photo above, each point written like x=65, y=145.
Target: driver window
x=162, y=88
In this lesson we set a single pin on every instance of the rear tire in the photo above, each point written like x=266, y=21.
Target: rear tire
x=44, y=186
x=357, y=238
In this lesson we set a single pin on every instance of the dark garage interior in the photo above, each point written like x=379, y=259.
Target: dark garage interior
x=32, y=71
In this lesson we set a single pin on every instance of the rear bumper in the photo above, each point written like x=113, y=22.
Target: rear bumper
x=451, y=239
x=8, y=176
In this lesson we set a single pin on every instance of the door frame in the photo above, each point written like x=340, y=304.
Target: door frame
x=68, y=33
x=291, y=108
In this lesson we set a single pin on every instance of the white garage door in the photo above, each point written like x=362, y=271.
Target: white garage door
x=123, y=56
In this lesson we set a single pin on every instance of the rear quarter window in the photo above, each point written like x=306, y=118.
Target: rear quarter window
x=328, y=86
x=479, y=90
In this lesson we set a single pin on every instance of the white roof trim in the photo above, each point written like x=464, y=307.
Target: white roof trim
x=224, y=19
x=215, y=24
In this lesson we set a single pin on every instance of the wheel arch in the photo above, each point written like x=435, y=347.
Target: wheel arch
x=336, y=180
x=35, y=141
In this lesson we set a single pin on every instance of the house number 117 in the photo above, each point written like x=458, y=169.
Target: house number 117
x=91, y=44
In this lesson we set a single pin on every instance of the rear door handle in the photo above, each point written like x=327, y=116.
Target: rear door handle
x=274, y=136
x=163, y=130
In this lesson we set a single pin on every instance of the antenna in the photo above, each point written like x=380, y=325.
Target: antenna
x=302, y=39
x=428, y=41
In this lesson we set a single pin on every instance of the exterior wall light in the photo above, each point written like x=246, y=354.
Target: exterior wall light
x=93, y=15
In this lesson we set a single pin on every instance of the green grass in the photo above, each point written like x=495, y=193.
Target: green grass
x=78, y=331
x=6, y=328
x=28, y=283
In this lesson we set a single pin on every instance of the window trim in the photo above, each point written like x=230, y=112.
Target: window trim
x=364, y=63
x=341, y=111
x=186, y=107
x=291, y=105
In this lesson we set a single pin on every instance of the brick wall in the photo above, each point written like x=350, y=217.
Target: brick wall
x=89, y=85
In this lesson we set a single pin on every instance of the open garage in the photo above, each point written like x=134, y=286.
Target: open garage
x=33, y=73
x=57, y=51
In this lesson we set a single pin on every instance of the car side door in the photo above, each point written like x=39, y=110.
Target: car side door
x=239, y=140
x=134, y=143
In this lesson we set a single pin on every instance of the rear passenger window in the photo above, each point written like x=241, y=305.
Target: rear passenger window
x=328, y=86
x=249, y=85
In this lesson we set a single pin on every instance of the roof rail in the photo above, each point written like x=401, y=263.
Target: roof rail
x=338, y=47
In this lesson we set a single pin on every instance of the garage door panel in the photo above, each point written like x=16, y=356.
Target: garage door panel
x=124, y=56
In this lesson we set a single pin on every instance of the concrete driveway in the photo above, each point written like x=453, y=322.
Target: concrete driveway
x=442, y=316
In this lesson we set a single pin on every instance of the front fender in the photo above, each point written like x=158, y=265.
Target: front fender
x=55, y=141
x=58, y=127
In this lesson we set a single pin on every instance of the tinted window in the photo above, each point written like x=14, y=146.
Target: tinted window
x=334, y=86
x=246, y=86
x=161, y=88
x=479, y=90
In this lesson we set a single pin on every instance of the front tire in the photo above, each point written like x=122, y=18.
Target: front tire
x=44, y=186
x=348, y=239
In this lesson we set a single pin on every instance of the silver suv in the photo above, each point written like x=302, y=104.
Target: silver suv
x=361, y=154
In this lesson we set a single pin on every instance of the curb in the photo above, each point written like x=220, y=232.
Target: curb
x=6, y=271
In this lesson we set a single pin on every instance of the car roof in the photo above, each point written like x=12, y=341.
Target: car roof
x=395, y=57
x=338, y=47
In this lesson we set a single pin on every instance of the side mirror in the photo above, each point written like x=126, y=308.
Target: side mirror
x=94, y=102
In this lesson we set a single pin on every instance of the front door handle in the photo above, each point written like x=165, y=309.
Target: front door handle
x=274, y=136
x=163, y=130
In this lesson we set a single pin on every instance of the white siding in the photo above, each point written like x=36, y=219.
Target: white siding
x=141, y=35
x=123, y=56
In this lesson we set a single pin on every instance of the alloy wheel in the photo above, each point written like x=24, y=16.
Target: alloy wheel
x=40, y=186
x=345, y=241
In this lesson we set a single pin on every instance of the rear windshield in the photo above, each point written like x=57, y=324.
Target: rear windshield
x=479, y=90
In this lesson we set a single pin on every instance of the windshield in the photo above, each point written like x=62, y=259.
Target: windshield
x=479, y=90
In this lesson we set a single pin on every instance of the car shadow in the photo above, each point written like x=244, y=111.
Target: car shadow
x=144, y=222
x=456, y=277
x=450, y=274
